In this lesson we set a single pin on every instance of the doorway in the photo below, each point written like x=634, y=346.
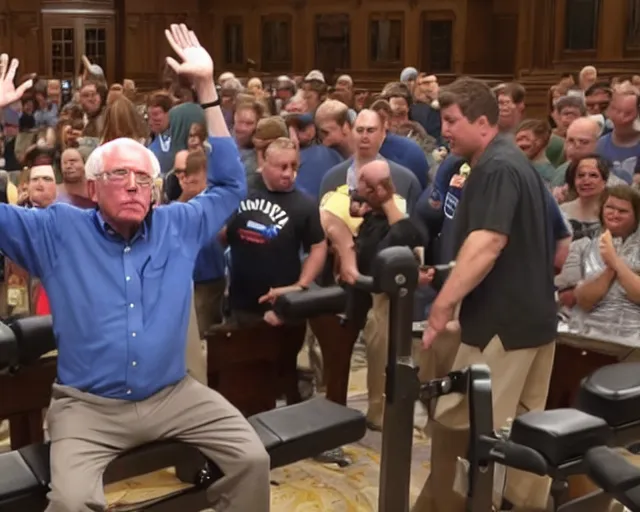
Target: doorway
x=68, y=37
x=332, y=48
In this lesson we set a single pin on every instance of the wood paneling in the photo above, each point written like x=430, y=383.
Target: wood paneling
x=499, y=38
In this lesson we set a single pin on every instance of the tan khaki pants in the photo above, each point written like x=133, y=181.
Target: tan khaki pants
x=196, y=355
x=87, y=432
x=376, y=336
x=520, y=382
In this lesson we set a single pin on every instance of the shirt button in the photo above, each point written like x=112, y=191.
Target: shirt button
x=128, y=278
x=134, y=363
x=131, y=305
x=128, y=391
x=133, y=334
x=127, y=249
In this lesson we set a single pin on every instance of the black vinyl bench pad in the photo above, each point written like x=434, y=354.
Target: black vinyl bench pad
x=560, y=435
x=311, y=303
x=289, y=434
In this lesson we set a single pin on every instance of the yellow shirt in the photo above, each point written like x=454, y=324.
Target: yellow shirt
x=338, y=203
x=12, y=193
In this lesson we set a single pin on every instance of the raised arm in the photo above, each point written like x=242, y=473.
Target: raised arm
x=26, y=236
x=29, y=236
x=207, y=213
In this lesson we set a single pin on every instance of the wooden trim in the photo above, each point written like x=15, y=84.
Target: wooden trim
x=79, y=12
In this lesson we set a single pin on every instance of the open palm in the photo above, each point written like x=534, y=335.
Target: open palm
x=8, y=92
x=196, y=61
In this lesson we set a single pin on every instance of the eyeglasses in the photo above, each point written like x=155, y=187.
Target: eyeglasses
x=122, y=175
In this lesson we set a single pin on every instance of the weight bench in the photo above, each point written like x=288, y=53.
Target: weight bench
x=576, y=441
x=289, y=434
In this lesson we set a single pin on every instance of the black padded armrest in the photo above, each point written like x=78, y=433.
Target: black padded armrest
x=310, y=303
x=34, y=336
x=8, y=347
x=611, y=471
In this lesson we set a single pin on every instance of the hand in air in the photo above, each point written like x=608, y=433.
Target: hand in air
x=8, y=92
x=196, y=61
x=440, y=316
x=274, y=293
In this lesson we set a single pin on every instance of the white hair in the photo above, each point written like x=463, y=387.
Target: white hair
x=95, y=165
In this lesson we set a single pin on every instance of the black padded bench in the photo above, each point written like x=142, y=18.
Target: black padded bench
x=608, y=406
x=289, y=434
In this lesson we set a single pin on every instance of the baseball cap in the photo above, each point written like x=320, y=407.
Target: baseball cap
x=408, y=74
x=315, y=75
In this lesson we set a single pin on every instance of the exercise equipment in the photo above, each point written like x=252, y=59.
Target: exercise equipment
x=395, y=273
x=289, y=434
x=558, y=443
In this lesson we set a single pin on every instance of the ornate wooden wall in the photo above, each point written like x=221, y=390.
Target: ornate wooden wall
x=532, y=40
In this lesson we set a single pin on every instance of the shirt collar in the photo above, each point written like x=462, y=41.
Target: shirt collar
x=104, y=226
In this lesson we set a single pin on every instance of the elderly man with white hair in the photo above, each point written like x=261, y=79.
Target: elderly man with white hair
x=120, y=282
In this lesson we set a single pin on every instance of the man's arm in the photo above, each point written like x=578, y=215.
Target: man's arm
x=475, y=260
x=203, y=216
x=313, y=240
x=341, y=239
x=29, y=236
x=313, y=264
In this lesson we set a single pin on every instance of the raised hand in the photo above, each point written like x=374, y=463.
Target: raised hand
x=8, y=92
x=196, y=61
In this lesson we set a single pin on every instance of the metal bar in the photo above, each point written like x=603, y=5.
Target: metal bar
x=480, y=428
x=402, y=386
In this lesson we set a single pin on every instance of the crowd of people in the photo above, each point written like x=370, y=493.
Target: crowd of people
x=333, y=174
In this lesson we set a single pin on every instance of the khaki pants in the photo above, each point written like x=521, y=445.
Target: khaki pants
x=376, y=335
x=87, y=432
x=196, y=355
x=520, y=382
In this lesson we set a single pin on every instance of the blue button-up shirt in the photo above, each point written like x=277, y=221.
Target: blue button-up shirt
x=121, y=308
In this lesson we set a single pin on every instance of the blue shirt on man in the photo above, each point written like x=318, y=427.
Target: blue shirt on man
x=407, y=153
x=121, y=308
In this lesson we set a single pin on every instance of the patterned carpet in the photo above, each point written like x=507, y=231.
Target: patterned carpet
x=307, y=486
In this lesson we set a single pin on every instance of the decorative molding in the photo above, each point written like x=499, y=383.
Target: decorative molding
x=133, y=22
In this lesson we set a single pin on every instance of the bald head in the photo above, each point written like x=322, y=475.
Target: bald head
x=581, y=139
x=180, y=162
x=375, y=172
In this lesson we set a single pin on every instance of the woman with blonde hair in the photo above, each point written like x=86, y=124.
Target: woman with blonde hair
x=123, y=120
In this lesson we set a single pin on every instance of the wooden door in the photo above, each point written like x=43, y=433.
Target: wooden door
x=332, y=43
x=68, y=37
x=437, y=42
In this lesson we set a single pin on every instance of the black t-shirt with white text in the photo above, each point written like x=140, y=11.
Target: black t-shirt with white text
x=515, y=301
x=266, y=236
